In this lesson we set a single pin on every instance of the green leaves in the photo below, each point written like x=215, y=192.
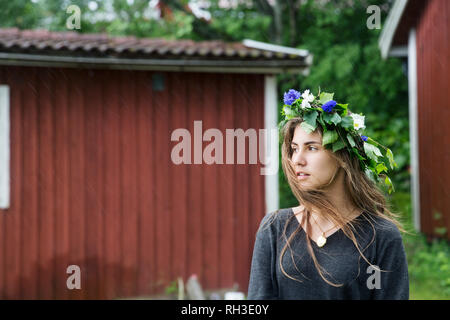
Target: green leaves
x=325, y=97
x=347, y=122
x=309, y=123
x=289, y=113
x=372, y=152
x=390, y=157
x=338, y=145
x=329, y=137
x=332, y=118
x=351, y=140
x=389, y=184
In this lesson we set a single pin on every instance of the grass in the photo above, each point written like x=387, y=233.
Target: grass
x=428, y=262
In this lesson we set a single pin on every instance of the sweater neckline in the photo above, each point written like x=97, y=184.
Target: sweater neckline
x=336, y=232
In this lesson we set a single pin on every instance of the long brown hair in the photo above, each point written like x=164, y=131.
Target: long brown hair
x=363, y=192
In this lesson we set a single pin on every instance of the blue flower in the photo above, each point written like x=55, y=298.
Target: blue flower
x=364, y=138
x=291, y=96
x=328, y=106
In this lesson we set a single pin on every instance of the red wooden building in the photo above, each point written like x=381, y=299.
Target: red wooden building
x=86, y=176
x=419, y=32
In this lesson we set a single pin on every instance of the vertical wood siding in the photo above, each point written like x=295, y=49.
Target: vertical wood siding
x=433, y=68
x=93, y=185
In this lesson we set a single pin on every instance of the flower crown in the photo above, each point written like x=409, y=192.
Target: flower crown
x=341, y=129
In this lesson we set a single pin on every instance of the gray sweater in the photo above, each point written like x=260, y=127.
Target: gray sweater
x=339, y=259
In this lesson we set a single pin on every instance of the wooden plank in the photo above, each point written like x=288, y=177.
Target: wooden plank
x=93, y=169
x=112, y=195
x=129, y=204
x=62, y=164
x=241, y=239
x=99, y=102
x=146, y=191
x=195, y=186
x=30, y=187
x=211, y=192
x=77, y=186
x=162, y=183
x=226, y=185
x=180, y=199
x=46, y=184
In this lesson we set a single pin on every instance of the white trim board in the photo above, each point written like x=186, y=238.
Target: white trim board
x=413, y=127
x=4, y=148
x=270, y=123
x=390, y=26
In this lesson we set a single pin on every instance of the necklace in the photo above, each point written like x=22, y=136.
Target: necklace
x=322, y=240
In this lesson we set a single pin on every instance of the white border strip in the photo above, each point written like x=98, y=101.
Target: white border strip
x=391, y=24
x=275, y=48
x=4, y=148
x=270, y=123
x=413, y=127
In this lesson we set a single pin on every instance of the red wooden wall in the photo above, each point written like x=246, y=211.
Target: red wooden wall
x=433, y=75
x=93, y=185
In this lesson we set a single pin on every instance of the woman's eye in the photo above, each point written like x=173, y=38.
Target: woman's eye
x=312, y=148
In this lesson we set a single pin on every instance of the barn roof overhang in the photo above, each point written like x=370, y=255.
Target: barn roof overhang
x=403, y=16
x=70, y=49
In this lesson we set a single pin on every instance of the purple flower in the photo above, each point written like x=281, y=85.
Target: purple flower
x=364, y=138
x=328, y=106
x=291, y=96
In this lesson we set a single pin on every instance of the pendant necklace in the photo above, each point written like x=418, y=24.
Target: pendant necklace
x=322, y=240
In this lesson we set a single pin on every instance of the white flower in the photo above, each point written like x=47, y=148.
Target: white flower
x=307, y=98
x=358, y=121
x=305, y=104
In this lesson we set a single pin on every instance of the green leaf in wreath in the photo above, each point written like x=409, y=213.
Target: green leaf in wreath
x=325, y=97
x=347, y=122
x=381, y=167
x=309, y=121
x=351, y=140
x=329, y=137
x=338, y=145
x=390, y=157
x=388, y=182
x=305, y=126
x=289, y=113
x=372, y=151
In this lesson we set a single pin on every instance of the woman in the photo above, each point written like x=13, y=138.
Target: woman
x=342, y=241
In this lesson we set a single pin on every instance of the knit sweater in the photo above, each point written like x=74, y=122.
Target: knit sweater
x=379, y=240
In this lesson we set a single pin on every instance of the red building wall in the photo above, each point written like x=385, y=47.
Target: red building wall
x=433, y=75
x=93, y=185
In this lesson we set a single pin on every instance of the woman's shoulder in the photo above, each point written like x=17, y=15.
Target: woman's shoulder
x=276, y=219
x=385, y=229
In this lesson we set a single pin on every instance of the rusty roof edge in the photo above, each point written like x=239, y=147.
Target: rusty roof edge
x=264, y=66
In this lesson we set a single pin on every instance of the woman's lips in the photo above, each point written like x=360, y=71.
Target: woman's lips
x=302, y=177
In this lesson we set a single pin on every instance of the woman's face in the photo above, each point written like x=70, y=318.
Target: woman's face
x=312, y=159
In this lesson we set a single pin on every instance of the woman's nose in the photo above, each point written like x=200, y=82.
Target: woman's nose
x=298, y=158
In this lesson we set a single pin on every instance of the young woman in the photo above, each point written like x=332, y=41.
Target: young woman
x=342, y=241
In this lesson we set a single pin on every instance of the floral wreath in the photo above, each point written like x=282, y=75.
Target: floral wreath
x=341, y=129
